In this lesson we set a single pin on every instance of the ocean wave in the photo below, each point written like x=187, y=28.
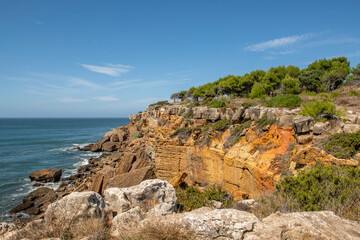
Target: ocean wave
x=80, y=145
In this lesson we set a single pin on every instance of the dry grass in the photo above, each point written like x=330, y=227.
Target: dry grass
x=155, y=230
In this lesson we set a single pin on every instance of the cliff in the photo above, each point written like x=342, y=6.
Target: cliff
x=247, y=150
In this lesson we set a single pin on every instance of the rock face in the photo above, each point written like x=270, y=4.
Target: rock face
x=46, y=175
x=75, y=206
x=36, y=202
x=209, y=223
x=304, y=225
x=302, y=124
x=149, y=198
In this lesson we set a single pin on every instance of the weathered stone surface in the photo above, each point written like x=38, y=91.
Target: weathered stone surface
x=352, y=118
x=127, y=220
x=351, y=128
x=75, y=206
x=302, y=124
x=209, y=223
x=304, y=139
x=320, y=128
x=109, y=146
x=46, y=175
x=147, y=195
x=238, y=115
x=286, y=120
x=304, y=225
x=36, y=202
x=6, y=230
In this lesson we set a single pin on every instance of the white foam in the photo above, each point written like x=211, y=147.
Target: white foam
x=80, y=145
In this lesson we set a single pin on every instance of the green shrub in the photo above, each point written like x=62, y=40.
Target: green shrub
x=235, y=134
x=306, y=93
x=324, y=95
x=343, y=145
x=354, y=93
x=334, y=94
x=216, y=104
x=264, y=121
x=332, y=188
x=192, y=198
x=249, y=104
x=316, y=109
x=135, y=135
x=221, y=125
x=181, y=131
x=257, y=91
x=287, y=100
x=160, y=103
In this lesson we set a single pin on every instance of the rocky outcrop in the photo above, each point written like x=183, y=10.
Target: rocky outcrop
x=303, y=124
x=207, y=223
x=77, y=205
x=36, y=202
x=132, y=205
x=46, y=175
x=304, y=225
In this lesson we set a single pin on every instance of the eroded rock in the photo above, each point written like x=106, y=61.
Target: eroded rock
x=46, y=175
x=302, y=124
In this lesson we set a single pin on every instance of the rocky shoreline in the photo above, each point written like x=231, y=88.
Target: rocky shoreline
x=174, y=143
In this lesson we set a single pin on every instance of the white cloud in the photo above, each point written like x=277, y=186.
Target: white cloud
x=70, y=100
x=107, y=99
x=84, y=83
x=110, y=69
x=279, y=42
x=38, y=22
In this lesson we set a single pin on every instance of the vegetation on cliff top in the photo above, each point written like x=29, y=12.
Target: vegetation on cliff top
x=322, y=75
x=343, y=145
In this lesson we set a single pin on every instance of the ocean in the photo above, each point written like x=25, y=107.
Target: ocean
x=27, y=145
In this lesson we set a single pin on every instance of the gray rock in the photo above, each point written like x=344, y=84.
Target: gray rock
x=351, y=128
x=286, y=120
x=320, y=128
x=77, y=205
x=352, y=118
x=304, y=225
x=238, y=115
x=148, y=194
x=207, y=223
x=127, y=220
x=302, y=124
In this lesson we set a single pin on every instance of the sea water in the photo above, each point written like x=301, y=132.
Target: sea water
x=27, y=145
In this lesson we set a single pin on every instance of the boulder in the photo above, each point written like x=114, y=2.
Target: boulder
x=351, y=128
x=238, y=115
x=352, y=118
x=320, y=128
x=126, y=220
x=77, y=205
x=304, y=139
x=303, y=124
x=304, y=225
x=207, y=223
x=109, y=146
x=147, y=195
x=46, y=175
x=286, y=120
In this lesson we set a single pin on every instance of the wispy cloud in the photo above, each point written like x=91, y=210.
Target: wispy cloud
x=38, y=22
x=110, y=69
x=84, y=83
x=70, y=100
x=279, y=42
x=107, y=99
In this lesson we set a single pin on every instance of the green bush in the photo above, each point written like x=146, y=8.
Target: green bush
x=235, y=134
x=324, y=95
x=192, y=198
x=135, y=135
x=257, y=91
x=287, y=100
x=334, y=94
x=221, y=125
x=216, y=104
x=332, y=188
x=160, y=103
x=343, y=145
x=316, y=109
x=186, y=131
x=354, y=93
x=307, y=93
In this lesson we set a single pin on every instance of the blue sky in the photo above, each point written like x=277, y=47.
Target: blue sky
x=113, y=58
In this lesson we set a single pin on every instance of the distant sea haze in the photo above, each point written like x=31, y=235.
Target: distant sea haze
x=27, y=145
